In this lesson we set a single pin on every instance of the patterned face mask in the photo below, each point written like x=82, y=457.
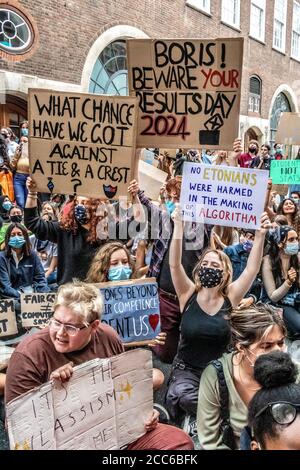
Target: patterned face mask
x=81, y=214
x=210, y=277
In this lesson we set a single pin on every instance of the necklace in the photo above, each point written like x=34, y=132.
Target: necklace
x=238, y=366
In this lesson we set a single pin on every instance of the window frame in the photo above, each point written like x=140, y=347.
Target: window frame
x=255, y=98
x=277, y=48
x=225, y=20
x=296, y=4
x=258, y=4
x=195, y=4
x=17, y=51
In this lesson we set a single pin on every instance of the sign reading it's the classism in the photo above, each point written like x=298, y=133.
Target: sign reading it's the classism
x=132, y=308
x=222, y=195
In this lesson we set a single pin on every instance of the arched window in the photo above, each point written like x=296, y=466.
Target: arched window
x=281, y=105
x=16, y=32
x=254, y=94
x=109, y=76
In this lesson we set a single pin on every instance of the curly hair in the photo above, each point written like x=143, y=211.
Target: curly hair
x=98, y=271
x=227, y=271
x=69, y=223
x=295, y=217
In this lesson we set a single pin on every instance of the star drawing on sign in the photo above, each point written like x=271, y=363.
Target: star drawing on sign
x=214, y=123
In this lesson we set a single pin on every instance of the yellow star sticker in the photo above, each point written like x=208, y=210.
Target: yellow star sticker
x=127, y=389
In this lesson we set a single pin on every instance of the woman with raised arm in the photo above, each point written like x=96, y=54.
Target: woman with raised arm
x=205, y=303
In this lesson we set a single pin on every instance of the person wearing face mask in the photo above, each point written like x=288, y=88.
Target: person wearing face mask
x=278, y=152
x=274, y=411
x=281, y=276
x=83, y=227
x=246, y=159
x=254, y=331
x=20, y=268
x=205, y=303
x=15, y=215
x=113, y=263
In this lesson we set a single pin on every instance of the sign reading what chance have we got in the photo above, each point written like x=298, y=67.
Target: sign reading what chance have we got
x=132, y=308
x=83, y=144
x=102, y=407
x=222, y=195
x=188, y=91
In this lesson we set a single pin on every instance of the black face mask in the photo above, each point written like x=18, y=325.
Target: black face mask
x=210, y=277
x=253, y=150
x=16, y=218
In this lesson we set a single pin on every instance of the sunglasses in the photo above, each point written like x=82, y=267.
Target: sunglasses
x=282, y=412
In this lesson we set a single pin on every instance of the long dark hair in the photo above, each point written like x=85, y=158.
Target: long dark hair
x=276, y=263
x=295, y=216
x=26, y=248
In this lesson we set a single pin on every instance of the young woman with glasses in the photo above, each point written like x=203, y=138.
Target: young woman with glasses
x=274, y=411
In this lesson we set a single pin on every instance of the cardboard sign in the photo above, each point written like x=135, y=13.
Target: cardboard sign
x=188, y=91
x=8, y=324
x=83, y=144
x=102, y=407
x=36, y=309
x=132, y=308
x=285, y=171
x=288, y=129
x=151, y=179
x=222, y=195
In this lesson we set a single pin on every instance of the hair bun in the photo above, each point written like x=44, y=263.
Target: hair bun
x=275, y=369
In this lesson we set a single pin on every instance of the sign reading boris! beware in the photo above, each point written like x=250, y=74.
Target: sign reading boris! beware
x=82, y=143
x=188, y=91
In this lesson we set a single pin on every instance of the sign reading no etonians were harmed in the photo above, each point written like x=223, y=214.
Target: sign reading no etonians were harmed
x=222, y=195
x=188, y=91
x=83, y=144
x=132, y=308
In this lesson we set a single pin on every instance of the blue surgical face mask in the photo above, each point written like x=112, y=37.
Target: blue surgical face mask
x=119, y=273
x=170, y=206
x=7, y=205
x=24, y=132
x=17, y=242
x=292, y=249
x=248, y=245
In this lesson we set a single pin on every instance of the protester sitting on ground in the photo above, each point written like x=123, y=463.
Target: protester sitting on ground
x=15, y=214
x=254, y=331
x=113, y=262
x=49, y=207
x=290, y=210
x=274, y=410
x=221, y=237
x=205, y=303
x=82, y=229
x=196, y=239
x=20, y=267
x=295, y=195
x=5, y=206
x=281, y=276
x=76, y=335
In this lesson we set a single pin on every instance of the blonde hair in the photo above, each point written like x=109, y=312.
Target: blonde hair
x=83, y=299
x=98, y=271
x=227, y=271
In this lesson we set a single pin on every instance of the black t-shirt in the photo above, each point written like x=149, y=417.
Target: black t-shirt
x=203, y=337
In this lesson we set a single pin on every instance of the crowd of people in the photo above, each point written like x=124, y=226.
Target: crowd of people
x=229, y=297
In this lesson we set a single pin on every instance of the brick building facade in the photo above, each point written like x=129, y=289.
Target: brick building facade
x=70, y=35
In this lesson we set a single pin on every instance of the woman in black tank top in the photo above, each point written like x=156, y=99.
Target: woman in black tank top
x=204, y=303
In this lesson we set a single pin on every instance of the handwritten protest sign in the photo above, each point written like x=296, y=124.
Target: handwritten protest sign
x=221, y=195
x=36, y=309
x=188, y=91
x=103, y=406
x=151, y=179
x=82, y=143
x=8, y=324
x=285, y=171
x=288, y=129
x=132, y=308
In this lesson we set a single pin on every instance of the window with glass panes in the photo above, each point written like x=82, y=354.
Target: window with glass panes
x=254, y=94
x=296, y=31
x=280, y=7
x=231, y=12
x=257, y=19
x=200, y=4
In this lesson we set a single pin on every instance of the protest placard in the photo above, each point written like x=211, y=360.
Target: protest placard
x=132, y=308
x=188, y=91
x=37, y=308
x=102, y=407
x=83, y=144
x=221, y=195
x=8, y=324
x=288, y=129
x=151, y=179
x=285, y=171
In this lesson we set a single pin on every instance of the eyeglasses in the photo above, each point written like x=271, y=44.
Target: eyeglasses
x=282, y=412
x=71, y=330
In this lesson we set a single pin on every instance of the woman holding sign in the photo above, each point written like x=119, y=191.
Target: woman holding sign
x=204, y=303
x=114, y=263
